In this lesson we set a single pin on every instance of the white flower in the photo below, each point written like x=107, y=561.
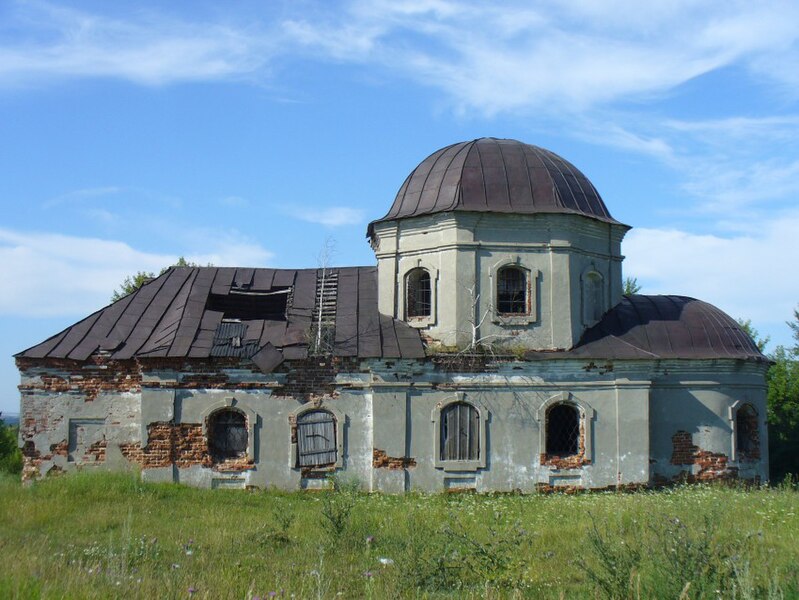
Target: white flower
x=385, y=561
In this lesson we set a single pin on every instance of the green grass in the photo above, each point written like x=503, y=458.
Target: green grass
x=94, y=535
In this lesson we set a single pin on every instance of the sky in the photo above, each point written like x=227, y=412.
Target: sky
x=248, y=133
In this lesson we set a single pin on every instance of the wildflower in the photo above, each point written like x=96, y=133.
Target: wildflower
x=175, y=566
x=191, y=591
x=385, y=561
x=272, y=594
x=369, y=540
x=367, y=574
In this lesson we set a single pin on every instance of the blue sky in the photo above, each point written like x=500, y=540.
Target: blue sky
x=246, y=133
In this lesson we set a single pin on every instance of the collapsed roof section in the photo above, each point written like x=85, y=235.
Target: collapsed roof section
x=266, y=315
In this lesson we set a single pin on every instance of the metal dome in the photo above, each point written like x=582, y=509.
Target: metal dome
x=496, y=175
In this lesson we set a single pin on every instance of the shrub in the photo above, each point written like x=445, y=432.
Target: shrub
x=10, y=455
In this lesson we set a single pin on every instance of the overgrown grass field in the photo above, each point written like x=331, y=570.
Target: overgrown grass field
x=94, y=535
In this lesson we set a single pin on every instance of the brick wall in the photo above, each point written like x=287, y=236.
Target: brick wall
x=314, y=376
x=181, y=444
x=705, y=465
x=96, y=375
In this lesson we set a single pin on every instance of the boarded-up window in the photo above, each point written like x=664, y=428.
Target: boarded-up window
x=512, y=291
x=563, y=430
x=227, y=434
x=593, y=298
x=316, y=439
x=83, y=433
x=460, y=432
x=419, y=293
x=747, y=440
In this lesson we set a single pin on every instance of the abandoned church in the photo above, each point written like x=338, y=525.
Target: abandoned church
x=491, y=348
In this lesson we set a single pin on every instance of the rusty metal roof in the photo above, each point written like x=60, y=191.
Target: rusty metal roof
x=496, y=175
x=661, y=327
x=174, y=315
x=182, y=313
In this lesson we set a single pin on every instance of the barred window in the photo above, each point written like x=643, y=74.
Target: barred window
x=316, y=439
x=227, y=434
x=460, y=432
x=512, y=291
x=419, y=293
x=563, y=430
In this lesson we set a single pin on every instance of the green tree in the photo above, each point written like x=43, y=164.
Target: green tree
x=760, y=342
x=794, y=325
x=10, y=455
x=783, y=407
x=131, y=283
x=783, y=413
x=631, y=286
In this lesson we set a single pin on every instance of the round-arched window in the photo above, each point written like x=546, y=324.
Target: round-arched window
x=460, y=432
x=418, y=293
x=563, y=430
x=316, y=439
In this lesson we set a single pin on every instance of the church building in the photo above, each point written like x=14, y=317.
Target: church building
x=491, y=348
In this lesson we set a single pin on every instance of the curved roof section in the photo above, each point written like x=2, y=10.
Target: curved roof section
x=496, y=175
x=654, y=327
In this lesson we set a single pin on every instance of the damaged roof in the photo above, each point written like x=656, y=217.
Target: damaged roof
x=267, y=316
x=262, y=314
x=662, y=327
x=496, y=175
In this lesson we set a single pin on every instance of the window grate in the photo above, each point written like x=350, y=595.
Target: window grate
x=419, y=296
x=563, y=430
x=511, y=291
x=227, y=435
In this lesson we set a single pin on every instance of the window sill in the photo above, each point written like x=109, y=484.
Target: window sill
x=459, y=466
x=513, y=319
x=420, y=322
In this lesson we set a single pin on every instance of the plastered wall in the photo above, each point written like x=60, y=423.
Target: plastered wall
x=641, y=423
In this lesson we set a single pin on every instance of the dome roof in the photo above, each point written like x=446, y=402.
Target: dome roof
x=496, y=175
x=655, y=327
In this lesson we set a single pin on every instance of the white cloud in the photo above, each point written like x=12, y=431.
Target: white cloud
x=147, y=48
x=50, y=274
x=733, y=168
x=83, y=194
x=746, y=275
x=548, y=56
x=553, y=57
x=334, y=216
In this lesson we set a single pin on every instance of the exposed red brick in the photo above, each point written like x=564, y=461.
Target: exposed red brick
x=708, y=466
x=181, y=444
x=314, y=376
x=381, y=460
x=59, y=449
